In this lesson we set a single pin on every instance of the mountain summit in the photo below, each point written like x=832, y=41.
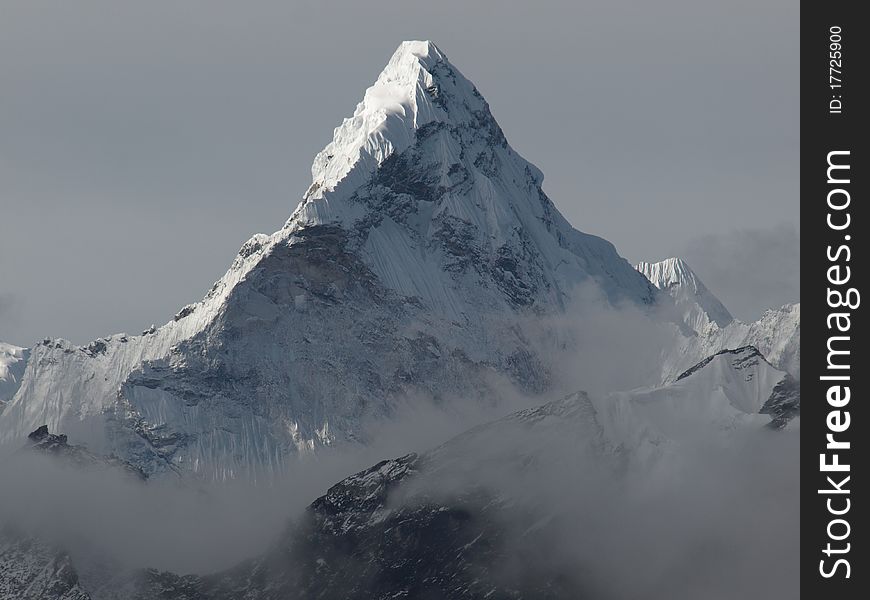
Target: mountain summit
x=697, y=305
x=424, y=180
x=400, y=278
x=404, y=98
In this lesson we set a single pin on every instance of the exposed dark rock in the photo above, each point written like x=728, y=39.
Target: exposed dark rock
x=784, y=403
x=33, y=570
x=363, y=540
x=185, y=311
x=57, y=445
x=745, y=357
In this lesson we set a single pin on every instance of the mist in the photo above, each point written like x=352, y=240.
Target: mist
x=199, y=526
x=719, y=521
x=712, y=515
x=191, y=526
x=600, y=347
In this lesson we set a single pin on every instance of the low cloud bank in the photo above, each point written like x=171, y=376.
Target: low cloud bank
x=718, y=521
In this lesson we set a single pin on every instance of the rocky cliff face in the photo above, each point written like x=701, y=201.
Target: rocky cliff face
x=33, y=570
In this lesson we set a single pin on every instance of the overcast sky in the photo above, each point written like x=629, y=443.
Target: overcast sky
x=141, y=143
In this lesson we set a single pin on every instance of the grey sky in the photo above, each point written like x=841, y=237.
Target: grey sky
x=142, y=143
x=749, y=269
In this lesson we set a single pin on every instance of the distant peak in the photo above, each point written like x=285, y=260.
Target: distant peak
x=675, y=276
x=668, y=272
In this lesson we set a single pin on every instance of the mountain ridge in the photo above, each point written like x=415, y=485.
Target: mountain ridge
x=712, y=329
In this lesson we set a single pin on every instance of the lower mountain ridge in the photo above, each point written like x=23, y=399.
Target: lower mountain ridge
x=477, y=516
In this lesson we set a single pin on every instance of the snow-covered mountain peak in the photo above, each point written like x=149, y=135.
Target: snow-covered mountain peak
x=698, y=305
x=422, y=235
x=413, y=61
x=413, y=90
x=668, y=272
x=423, y=179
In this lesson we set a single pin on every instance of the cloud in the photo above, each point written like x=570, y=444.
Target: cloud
x=721, y=519
x=202, y=527
x=195, y=526
x=714, y=516
x=600, y=348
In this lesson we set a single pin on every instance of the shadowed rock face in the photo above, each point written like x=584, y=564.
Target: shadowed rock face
x=784, y=403
x=32, y=570
x=42, y=439
x=377, y=534
x=392, y=531
x=312, y=342
x=746, y=355
x=56, y=445
x=351, y=544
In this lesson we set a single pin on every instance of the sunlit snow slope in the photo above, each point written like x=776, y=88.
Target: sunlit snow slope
x=711, y=328
x=13, y=361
